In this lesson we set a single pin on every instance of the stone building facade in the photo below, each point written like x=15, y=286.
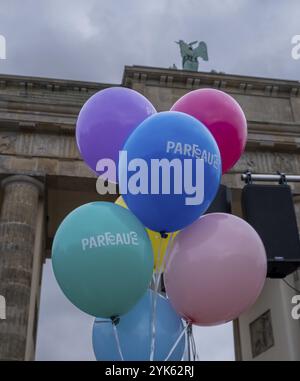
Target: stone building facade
x=43, y=177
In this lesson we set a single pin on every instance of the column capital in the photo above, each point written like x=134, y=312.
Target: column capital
x=23, y=179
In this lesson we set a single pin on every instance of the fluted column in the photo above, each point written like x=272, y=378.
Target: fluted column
x=18, y=223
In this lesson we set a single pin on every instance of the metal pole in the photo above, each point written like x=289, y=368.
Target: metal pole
x=263, y=177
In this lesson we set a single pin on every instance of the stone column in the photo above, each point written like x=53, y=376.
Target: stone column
x=18, y=222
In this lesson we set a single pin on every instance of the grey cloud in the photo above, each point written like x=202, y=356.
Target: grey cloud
x=93, y=40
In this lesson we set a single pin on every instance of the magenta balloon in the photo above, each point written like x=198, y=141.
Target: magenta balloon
x=223, y=116
x=106, y=120
x=217, y=269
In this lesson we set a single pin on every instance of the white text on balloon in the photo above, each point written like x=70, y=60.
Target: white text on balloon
x=108, y=239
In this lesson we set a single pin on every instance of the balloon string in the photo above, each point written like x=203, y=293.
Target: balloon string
x=194, y=348
x=154, y=302
x=177, y=341
x=189, y=343
x=153, y=280
x=163, y=262
x=117, y=340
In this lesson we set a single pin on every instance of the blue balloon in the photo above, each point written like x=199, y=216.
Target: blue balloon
x=134, y=331
x=160, y=178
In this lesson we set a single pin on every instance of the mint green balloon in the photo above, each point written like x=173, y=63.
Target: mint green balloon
x=102, y=259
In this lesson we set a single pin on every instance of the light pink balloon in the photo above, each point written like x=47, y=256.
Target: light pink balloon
x=216, y=269
x=224, y=118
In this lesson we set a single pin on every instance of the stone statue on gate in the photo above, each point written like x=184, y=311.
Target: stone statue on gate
x=190, y=55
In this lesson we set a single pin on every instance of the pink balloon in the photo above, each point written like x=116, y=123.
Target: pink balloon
x=217, y=269
x=223, y=116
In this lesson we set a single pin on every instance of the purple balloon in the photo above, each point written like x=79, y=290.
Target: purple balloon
x=106, y=120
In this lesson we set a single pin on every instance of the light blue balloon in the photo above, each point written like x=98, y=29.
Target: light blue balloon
x=102, y=259
x=134, y=331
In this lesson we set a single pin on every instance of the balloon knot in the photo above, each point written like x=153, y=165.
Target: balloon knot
x=115, y=320
x=164, y=235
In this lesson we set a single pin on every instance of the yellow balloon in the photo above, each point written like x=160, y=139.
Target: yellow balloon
x=159, y=245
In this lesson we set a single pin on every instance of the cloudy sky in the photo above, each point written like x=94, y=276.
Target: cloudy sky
x=93, y=40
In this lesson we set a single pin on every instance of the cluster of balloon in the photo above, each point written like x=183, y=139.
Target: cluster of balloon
x=169, y=170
